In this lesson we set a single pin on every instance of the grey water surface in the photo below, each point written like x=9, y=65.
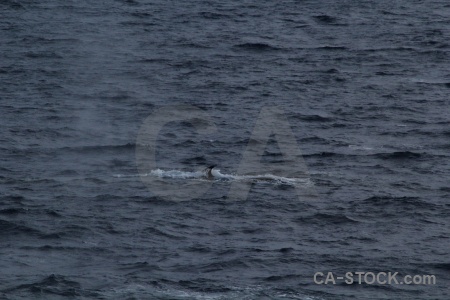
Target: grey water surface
x=364, y=85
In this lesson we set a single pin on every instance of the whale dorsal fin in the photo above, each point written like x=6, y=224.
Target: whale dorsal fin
x=209, y=172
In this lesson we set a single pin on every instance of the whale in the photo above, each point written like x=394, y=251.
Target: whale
x=208, y=172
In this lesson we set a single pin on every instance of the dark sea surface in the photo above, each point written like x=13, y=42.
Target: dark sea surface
x=364, y=85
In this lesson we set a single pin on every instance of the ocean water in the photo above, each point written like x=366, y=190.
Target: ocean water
x=363, y=85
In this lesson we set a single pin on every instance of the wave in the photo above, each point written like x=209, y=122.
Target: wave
x=325, y=19
x=312, y=118
x=52, y=285
x=12, y=211
x=401, y=48
x=256, y=47
x=399, y=155
x=442, y=266
x=332, y=48
x=212, y=15
x=13, y=4
x=100, y=148
x=327, y=218
x=391, y=201
x=327, y=154
x=13, y=230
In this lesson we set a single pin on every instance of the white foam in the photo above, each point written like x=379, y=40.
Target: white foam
x=201, y=175
x=260, y=177
x=360, y=147
x=175, y=174
x=125, y=175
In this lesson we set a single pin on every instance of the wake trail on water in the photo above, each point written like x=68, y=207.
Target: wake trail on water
x=218, y=176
